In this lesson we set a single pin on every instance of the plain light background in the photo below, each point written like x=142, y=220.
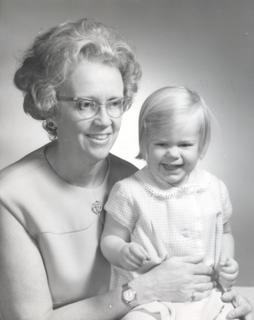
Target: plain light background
x=206, y=45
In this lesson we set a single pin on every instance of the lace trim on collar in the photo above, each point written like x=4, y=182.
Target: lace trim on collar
x=172, y=193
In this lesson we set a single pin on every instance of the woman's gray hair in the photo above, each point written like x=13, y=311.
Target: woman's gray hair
x=46, y=65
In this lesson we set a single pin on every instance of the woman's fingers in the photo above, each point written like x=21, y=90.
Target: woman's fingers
x=180, y=279
x=242, y=306
x=195, y=265
x=189, y=259
x=201, y=287
x=197, y=295
x=202, y=269
x=201, y=279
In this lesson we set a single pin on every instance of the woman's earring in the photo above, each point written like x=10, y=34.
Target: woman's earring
x=50, y=126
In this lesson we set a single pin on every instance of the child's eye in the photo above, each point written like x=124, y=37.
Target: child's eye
x=186, y=144
x=160, y=144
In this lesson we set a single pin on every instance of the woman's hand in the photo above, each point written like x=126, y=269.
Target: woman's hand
x=178, y=279
x=242, y=306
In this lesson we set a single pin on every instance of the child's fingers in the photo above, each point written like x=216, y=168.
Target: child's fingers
x=132, y=264
x=133, y=255
x=227, y=281
x=231, y=266
x=228, y=262
x=138, y=252
x=228, y=276
x=228, y=273
x=128, y=260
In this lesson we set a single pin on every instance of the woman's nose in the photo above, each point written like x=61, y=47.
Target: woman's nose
x=102, y=117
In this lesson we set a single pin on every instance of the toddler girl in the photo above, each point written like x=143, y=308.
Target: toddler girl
x=171, y=207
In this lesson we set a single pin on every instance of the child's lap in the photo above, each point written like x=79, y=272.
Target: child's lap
x=210, y=308
x=152, y=311
x=140, y=315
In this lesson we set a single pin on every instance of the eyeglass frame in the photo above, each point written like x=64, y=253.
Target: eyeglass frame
x=125, y=101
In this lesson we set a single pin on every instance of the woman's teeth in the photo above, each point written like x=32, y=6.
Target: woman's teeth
x=99, y=137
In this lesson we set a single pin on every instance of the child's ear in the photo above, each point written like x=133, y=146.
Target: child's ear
x=202, y=154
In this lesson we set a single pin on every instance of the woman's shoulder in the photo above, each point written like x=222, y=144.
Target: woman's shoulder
x=120, y=169
x=17, y=174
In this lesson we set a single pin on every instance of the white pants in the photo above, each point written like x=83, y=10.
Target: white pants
x=210, y=308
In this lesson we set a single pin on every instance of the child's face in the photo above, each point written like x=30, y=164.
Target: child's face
x=173, y=150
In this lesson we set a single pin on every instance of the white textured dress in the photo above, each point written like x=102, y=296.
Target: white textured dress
x=186, y=220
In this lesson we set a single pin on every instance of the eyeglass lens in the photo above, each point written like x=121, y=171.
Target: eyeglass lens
x=89, y=108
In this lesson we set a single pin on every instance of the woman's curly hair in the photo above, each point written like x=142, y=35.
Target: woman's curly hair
x=46, y=65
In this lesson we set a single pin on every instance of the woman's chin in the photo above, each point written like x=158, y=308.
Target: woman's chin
x=99, y=152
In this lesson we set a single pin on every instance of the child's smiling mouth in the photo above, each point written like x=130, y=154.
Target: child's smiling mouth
x=171, y=167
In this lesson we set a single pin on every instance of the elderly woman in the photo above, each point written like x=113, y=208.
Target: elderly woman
x=79, y=78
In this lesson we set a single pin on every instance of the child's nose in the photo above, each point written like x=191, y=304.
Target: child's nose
x=173, y=152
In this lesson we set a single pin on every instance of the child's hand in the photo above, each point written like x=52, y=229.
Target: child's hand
x=227, y=272
x=133, y=256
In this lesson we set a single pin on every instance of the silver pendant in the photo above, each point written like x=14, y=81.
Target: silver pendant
x=97, y=207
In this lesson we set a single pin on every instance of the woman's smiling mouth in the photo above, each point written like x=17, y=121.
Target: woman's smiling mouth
x=99, y=137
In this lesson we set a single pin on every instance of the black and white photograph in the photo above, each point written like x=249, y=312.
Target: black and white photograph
x=126, y=149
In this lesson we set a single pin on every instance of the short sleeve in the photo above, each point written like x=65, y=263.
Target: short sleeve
x=225, y=202
x=120, y=205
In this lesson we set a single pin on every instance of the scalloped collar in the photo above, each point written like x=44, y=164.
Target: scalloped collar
x=197, y=183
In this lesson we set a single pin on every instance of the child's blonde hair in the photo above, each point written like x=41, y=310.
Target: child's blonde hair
x=161, y=108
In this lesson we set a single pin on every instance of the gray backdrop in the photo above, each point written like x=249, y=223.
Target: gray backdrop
x=206, y=45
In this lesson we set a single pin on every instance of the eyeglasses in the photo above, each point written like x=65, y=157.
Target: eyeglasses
x=88, y=108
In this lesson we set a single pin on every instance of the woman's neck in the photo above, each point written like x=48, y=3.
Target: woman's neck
x=74, y=167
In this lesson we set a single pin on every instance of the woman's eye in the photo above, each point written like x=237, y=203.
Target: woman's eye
x=84, y=105
x=115, y=104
